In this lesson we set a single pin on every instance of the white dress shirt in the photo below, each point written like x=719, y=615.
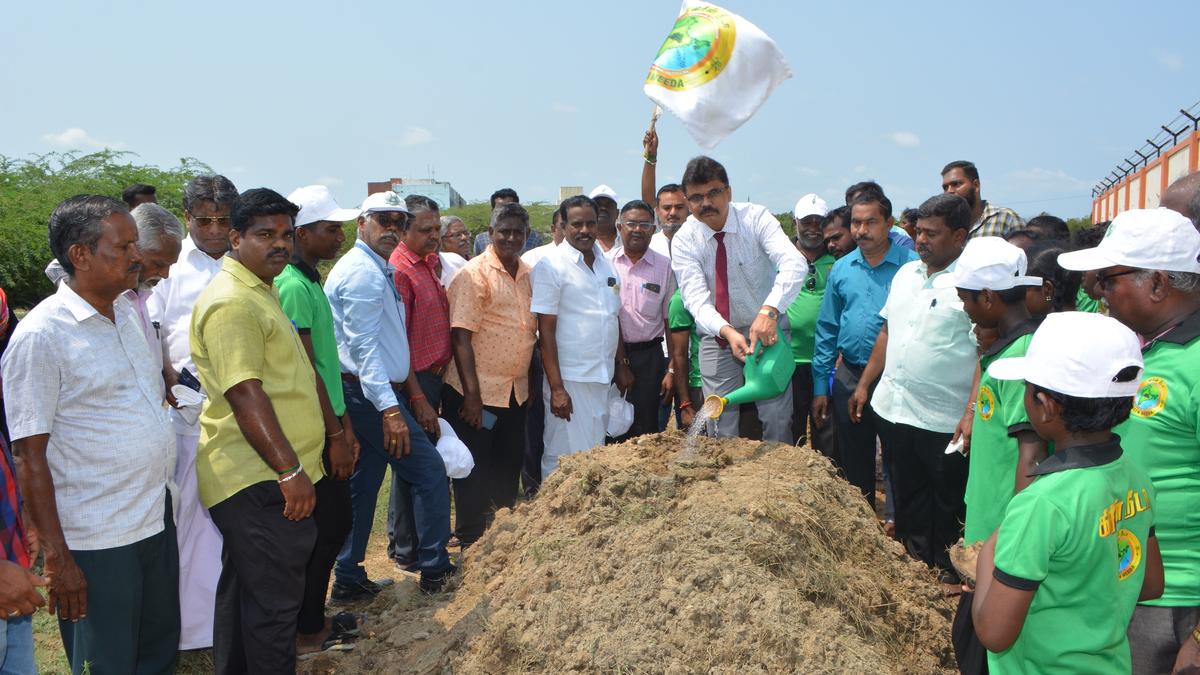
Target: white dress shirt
x=451, y=264
x=171, y=306
x=534, y=255
x=587, y=302
x=659, y=243
x=930, y=353
x=368, y=322
x=764, y=267
x=88, y=382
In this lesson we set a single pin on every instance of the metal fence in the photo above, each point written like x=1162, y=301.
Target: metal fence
x=1185, y=123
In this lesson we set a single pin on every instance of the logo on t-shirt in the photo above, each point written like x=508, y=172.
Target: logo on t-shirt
x=1151, y=397
x=1129, y=554
x=986, y=403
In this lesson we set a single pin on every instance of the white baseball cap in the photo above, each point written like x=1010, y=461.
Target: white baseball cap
x=384, y=201
x=604, y=191
x=988, y=262
x=316, y=203
x=810, y=205
x=1060, y=360
x=1148, y=239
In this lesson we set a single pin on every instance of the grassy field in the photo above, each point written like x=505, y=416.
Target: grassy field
x=51, y=660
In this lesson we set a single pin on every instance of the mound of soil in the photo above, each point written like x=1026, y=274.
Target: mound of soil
x=749, y=557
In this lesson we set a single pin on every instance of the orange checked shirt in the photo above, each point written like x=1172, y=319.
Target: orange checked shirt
x=494, y=306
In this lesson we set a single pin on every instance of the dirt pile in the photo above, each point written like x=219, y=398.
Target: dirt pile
x=750, y=558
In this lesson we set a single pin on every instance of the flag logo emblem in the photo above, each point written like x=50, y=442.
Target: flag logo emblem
x=697, y=49
x=1129, y=554
x=1151, y=397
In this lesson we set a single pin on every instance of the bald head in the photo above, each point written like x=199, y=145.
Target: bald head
x=1181, y=194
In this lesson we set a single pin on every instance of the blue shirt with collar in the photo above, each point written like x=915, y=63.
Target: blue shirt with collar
x=368, y=322
x=849, y=319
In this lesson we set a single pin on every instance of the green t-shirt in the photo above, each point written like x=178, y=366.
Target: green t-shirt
x=1085, y=303
x=802, y=314
x=1163, y=438
x=304, y=302
x=999, y=415
x=1077, y=537
x=678, y=318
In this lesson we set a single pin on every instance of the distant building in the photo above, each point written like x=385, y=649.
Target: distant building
x=569, y=191
x=439, y=191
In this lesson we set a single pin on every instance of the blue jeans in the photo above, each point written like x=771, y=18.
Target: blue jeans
x=422, y=469
x=16, y=646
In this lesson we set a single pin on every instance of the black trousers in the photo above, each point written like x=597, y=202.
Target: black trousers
x=649, y=368
x=498, y=453
x=334, y=518
x=856, y=441
x=824, y=439
x=263, y=562
x=132, y=622
x=535, y=427
x=928, y=485
x=969, y=652
x=401, y=523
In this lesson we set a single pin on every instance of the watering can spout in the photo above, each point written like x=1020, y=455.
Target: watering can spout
x=715, y=405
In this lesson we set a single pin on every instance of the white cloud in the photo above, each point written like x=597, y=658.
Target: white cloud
x=78, y=139
x=904, y=139
x=238, y=169
x=564, y=108
x=1048, y=179
x=329, y=181
x=807, y=171
x=415, y=136
x=1169, y=60
x=860, y=169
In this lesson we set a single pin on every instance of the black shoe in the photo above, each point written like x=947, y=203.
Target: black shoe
x=436, y=583
x=408, y=566
x=359, y=590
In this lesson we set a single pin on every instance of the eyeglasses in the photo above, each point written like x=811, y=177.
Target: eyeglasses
x=393, y=219
x=214, y=220
x=639, y=224
x=712, y=195
x=455, y=234
x=1104, y=281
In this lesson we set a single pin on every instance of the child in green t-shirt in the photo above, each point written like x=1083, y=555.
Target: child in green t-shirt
x=1075, y=551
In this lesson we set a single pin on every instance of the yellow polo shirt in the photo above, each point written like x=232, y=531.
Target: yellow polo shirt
x=239, y=332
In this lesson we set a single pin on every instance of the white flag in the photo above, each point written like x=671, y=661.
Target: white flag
x=714, y=71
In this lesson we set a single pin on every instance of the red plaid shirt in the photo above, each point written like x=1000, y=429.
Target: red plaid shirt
x=426, y=309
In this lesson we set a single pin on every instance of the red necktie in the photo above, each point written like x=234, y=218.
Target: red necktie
x=722, y=291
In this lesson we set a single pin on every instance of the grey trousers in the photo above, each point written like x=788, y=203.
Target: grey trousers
x=721, y=374
x=1156, y=634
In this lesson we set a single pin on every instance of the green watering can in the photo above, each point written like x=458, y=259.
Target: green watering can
x=768, y=373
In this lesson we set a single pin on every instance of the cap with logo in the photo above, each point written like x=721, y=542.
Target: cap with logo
x=604, y=191
x=810, y=205
x=384, y=201
x=1059, y=360
x=1147, y=239
x=988, y=262
x=316, y=204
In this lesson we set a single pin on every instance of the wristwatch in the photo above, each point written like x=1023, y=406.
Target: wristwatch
x=769, y=313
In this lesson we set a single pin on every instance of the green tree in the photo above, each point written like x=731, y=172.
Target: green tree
x=31, y=188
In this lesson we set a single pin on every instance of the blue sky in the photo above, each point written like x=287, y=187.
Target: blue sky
x=1045, y=97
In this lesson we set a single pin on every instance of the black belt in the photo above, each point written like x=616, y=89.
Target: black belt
x=631, y=347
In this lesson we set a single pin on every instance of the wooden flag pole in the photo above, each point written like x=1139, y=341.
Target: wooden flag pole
x=655, y=115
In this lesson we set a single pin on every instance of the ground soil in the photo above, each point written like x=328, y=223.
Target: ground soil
x=752, y=557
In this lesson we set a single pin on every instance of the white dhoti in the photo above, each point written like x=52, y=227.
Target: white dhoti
x=199, y=552
x=584, y=431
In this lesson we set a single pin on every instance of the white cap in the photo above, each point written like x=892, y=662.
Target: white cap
x=384, y=201
x=1148, y=239
x=810, y=205
x=1059, y=360
x=604, y=191
x=988, y=262
x=316, y=203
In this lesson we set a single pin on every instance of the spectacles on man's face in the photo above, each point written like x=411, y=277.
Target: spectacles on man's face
x=639, y=224
x=712, y=196
x=1105, y=281
x=455, y=235
x=391, y=220
x=212, y=220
